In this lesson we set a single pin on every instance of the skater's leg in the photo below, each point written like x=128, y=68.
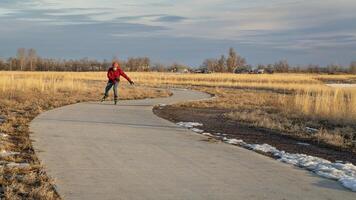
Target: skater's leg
x=107, y=89
x=116, y=96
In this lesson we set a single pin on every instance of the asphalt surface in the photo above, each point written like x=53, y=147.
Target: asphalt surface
x=102, y=151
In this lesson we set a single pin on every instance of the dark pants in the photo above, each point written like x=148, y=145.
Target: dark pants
x=109, y=86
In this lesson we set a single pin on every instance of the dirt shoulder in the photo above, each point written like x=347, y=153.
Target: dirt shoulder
x=215, y=121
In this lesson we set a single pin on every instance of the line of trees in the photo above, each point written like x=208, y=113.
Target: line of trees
x=224, y=64
x=236, y=63
x=28, y=60
x=284, y=67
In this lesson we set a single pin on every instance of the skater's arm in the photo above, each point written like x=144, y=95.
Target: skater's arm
x=125, y=76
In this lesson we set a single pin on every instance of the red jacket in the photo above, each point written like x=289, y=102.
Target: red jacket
x=113, y=76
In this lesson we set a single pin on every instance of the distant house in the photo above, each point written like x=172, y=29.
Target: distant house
x=243, y=70
x=202, y=71
x=248, y=70
x=180, y=69
x=269, y=71
x=260, y=71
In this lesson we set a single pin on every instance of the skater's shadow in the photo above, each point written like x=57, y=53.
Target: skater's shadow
x=138, y=125
x=120, y=104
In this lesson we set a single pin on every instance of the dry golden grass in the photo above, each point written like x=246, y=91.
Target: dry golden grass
x=285, y=102
x=336, y=104
x=311, y=93
x=312, y=96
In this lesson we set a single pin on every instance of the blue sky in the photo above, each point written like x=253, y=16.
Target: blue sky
x=185, y=31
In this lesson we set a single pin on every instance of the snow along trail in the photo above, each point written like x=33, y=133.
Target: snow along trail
x=342, y=172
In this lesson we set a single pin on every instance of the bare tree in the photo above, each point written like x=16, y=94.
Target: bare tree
x=221, y=66
x=281, y=66
x=144, y=64
x=353, y=67
x=210, y=64
x=231, y=61
x=138, y=64
x=158, y=67
x=32, y=57
x=2, y=64
x=234, y=60
x=21, y=56
x=333, y=68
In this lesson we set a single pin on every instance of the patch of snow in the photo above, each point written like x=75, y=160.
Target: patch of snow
x=303, y=143
x=197, y=130
x=311, y=130
x=266, y=148
x=233, y=141
x=162, y=105
x=3, y=135
x=342, y=85
x=344, y=173
x=4, y=153
x=189, y=124
x=207, y=134
x=19, y=165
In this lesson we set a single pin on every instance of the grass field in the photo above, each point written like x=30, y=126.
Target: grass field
x=311, y=96
x=284, y=102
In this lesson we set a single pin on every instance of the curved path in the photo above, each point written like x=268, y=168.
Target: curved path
x=101, y=151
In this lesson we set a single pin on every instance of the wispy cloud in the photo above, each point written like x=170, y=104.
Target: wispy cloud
x=170, y=18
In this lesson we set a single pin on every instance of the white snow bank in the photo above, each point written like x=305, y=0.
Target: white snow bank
x=189, y=124
x=233, y=141
x=311, y=130
x=19, y=165
x=345, y=173
x=266, y=148
x=197, y=130
x=207, y=134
